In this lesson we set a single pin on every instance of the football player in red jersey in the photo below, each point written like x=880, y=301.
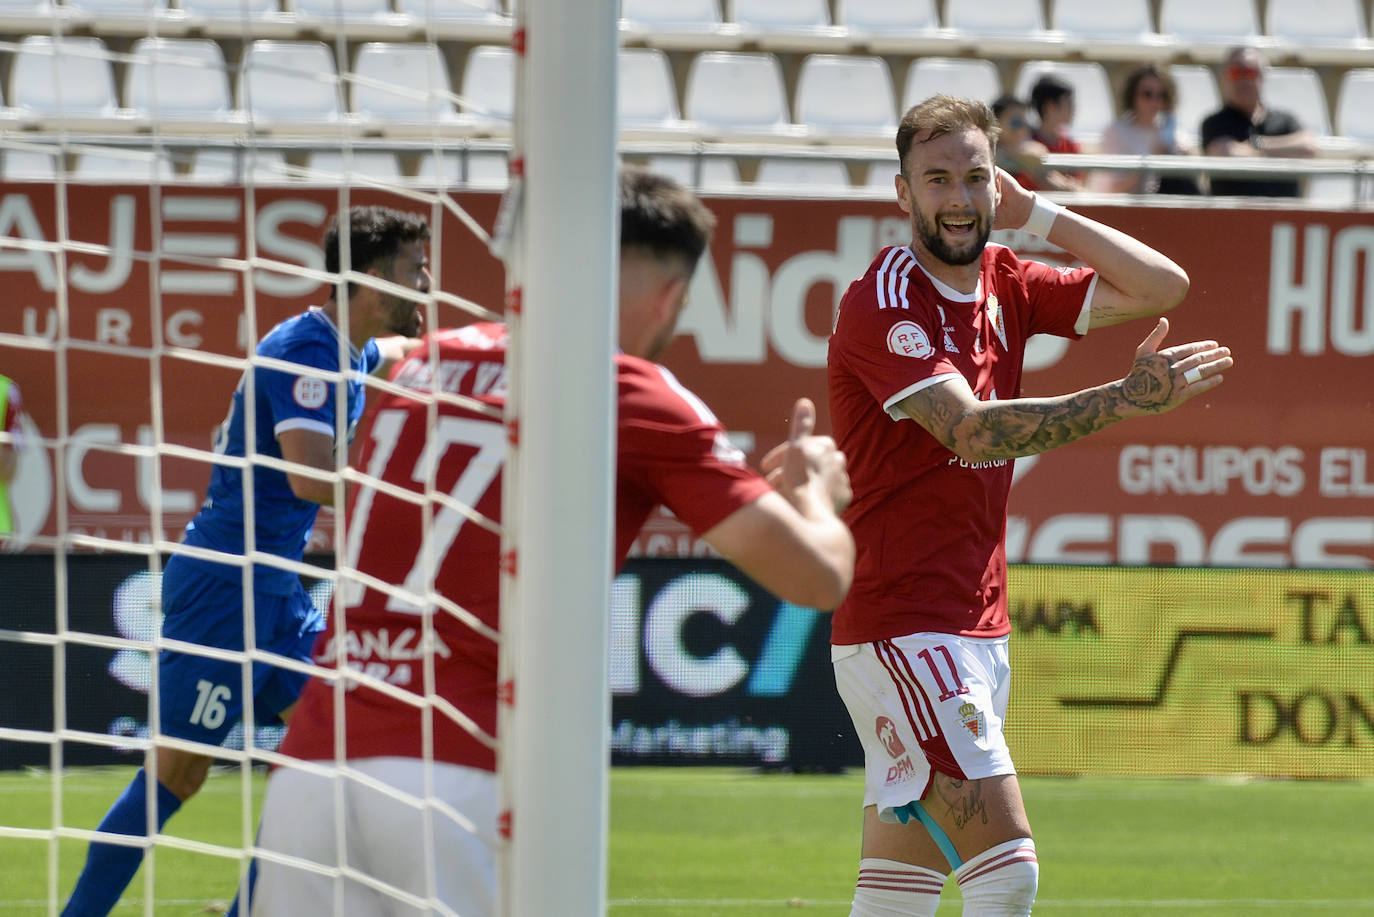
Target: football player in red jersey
x=411, y=733
x=924, y=377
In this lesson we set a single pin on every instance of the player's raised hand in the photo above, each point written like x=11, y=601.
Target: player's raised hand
x=1161, y=380
x=807, y=466
x=1013, y=202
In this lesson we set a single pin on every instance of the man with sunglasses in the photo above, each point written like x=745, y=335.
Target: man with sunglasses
x=1246, y=127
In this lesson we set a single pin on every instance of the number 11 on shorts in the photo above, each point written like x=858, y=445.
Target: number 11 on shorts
x=945, y=692
x=210, y=710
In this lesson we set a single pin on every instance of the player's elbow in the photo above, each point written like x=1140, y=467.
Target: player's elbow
x=1171, y=288
x=311, y=489
x=824, y=581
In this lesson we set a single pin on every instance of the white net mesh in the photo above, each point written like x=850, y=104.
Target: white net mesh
x=168, y=173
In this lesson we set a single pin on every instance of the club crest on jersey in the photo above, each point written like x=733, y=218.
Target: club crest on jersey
x=310, y=393
x=973, y=720
x=887, y=734
x=908, y=339
x=994, y=311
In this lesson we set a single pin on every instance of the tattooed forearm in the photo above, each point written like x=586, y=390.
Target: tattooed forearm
x=1029, y=426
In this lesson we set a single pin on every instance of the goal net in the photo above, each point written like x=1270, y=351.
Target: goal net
x=168, y=170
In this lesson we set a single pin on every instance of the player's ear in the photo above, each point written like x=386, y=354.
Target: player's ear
x=671, y=293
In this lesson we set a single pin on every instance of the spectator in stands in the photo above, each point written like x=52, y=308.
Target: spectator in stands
x=1021, y=154
x=1245, y=127
x=1053, y=101
x=1146, y=127
x=11, y=409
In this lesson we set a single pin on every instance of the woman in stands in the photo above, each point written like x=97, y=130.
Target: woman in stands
x=1145, y=128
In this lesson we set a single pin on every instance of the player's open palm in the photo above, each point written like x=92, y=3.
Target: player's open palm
x=1161, y=380
x=806, y=462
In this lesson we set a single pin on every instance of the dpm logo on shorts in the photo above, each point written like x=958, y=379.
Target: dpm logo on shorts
x=886, y=731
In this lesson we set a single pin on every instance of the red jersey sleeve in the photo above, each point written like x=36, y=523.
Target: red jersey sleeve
x=1057, y=297
x=673, y=451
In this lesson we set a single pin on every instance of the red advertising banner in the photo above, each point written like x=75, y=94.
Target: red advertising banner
x=1271, y=470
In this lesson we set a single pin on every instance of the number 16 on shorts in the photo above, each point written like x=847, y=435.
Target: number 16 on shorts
x=210, y=710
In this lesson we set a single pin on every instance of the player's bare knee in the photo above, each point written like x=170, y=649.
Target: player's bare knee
x=182, y=773
x=1000, y=881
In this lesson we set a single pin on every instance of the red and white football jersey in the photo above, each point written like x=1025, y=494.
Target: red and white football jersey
x=929, y=527
x=671, y=450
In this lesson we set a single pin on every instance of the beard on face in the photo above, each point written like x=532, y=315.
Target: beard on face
x=928, y=231
x=404, y=317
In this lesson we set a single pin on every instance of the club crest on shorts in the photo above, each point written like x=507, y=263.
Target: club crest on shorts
x=973, y=720
x=887, y=734
x=908, y=339
x=310, y=393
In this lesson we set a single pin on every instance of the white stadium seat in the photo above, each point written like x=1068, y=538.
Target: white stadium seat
x=289, y=81
x=880, y=174
x=846, y=94
x=672, y=14
x=453, y=10
x=31, y=165
x=1315, y=21
x=995, y=17
x=174, y=78
x=787, y=173
x=401, y=81
x=1103, y=19
x=63, y=78
x=230, y=9
x=956, y=76
x=123, y=9
x=332, y=165
x=888, y=16
x=125, y=166
x=1230, y=22
x=342, y=10
x=647, y=96
x=1355, y=106
x=220, y=166
x=484, y=169
x=1198, y=97
x=737, y=92
x=782, y=14
x=706, y=173
x=1092, y=91
x=488, y=90
x=1298, y=91
x=487, y=169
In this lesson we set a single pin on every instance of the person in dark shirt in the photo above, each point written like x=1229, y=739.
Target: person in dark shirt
x=1245, y=127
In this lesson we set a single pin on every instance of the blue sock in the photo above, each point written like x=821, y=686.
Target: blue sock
x=252, y=881
x=110, y=867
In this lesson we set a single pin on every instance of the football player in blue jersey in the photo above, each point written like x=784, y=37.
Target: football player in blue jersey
x=289, y=413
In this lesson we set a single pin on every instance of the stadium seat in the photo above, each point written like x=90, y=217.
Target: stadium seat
x=220, y=166
x=124, y=166
x=766, y=15
x=706, y=173
x=1338, y=190
x=120, y=9
x=289, y=81
x=342, y=10
x=1308, y=22
x=847, y=94
x=28, y=165
x=1355, y=106
x=957, y=76
x=885, y=16
x=647, y=96
x=476, y=11
x=1093, y=106
x=178, y=78
x=230, y=9
x=487, y=169
x=332, y=165
x=995, y=17
x=25, y=8
x=1224, y=22
x=488, y=90
x=880, y=174
x=1198, y=97
x=1097, y=19
x=672, y=14
x=787, y=173
x=1298, y=91
x=401, y=82
x=737, y=93
x=63, y=78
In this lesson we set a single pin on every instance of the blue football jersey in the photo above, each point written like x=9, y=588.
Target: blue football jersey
x=281, y=401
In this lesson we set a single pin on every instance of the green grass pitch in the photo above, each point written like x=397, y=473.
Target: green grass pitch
x=727, y=842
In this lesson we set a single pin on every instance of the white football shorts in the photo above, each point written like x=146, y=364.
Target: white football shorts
x=388, y=864
x=925, y=703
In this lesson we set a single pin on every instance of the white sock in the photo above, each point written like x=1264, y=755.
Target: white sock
x=1000, y=881
x=887, y=888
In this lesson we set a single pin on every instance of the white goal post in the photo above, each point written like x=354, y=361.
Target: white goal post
x=557, y=500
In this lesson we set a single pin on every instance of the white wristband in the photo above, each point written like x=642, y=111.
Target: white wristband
x=1041, y=218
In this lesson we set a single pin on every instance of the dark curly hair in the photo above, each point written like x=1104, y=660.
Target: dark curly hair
x=375, y=236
